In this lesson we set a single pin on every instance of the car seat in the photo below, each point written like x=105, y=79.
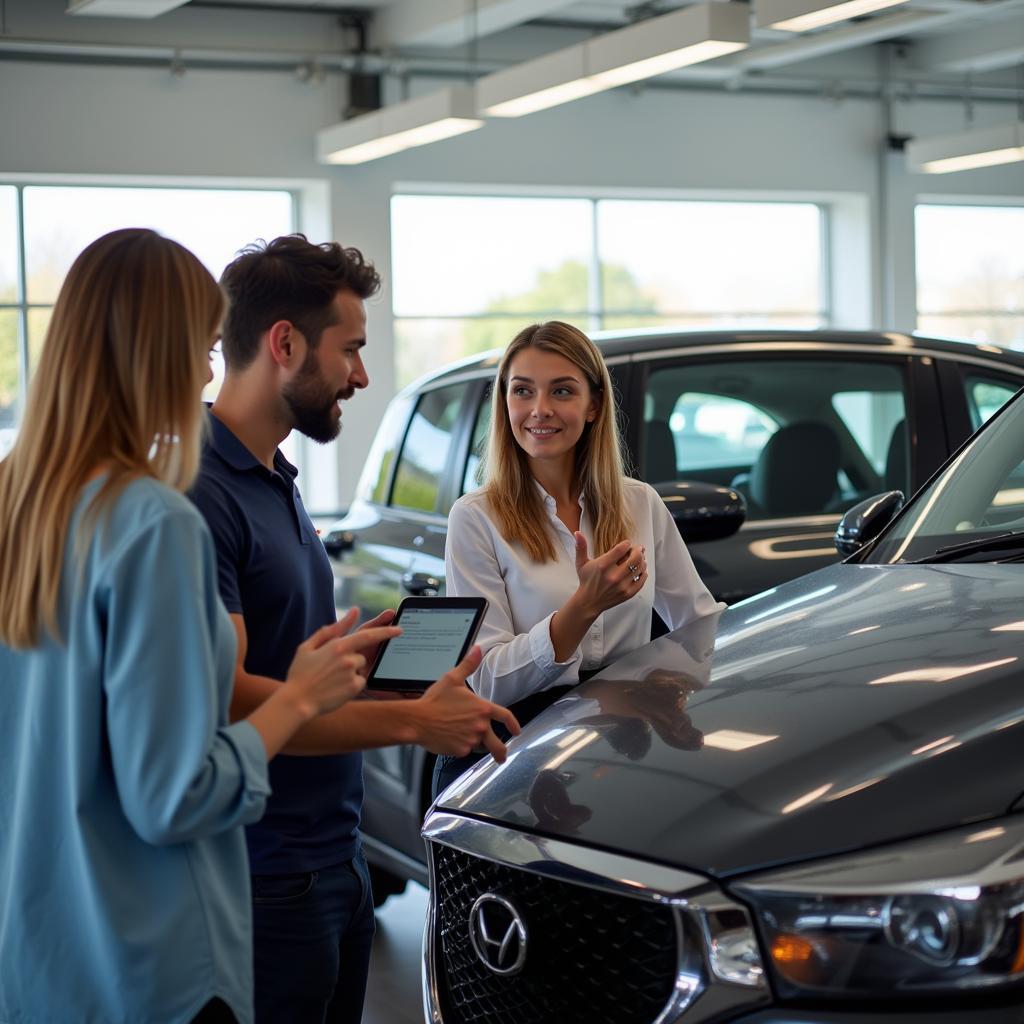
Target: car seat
x=795, y=473
x=897, y=460
x=659, y=453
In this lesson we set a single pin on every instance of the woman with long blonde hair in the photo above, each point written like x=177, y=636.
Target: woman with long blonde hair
x=570, y=552
x=123, y=789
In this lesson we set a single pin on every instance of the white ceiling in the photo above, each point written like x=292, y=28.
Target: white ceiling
x=932, y=45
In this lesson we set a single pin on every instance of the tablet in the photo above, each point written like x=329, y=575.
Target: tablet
x=436, y=634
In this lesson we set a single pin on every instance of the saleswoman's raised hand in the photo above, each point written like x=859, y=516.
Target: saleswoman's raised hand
x=611, y=578
x=605, y=581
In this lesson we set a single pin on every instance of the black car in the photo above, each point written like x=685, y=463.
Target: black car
x=803, y=425
x=810, y=809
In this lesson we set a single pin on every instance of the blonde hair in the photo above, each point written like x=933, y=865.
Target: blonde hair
x=508, y=484
x=117, y=389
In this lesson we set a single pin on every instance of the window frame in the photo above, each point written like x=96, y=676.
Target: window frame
x=310, y=214
x=596, y=314
x=22, y=307
x=961, y=202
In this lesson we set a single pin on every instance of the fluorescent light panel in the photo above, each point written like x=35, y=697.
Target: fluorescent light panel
x=982, y=147
x=804, y=15
x=650, y=48
x=123, y=8
x=547, y=81
x=416, y=122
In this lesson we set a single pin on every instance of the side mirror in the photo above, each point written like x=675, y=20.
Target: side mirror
x=338, y=541
x=703, y=511
x=866, y=520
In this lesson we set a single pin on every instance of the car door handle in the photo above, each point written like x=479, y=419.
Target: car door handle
x=421, y=584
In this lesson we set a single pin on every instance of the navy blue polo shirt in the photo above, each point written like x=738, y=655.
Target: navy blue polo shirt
x=272, y=570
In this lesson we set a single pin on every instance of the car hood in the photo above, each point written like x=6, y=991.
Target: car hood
x=855, y=706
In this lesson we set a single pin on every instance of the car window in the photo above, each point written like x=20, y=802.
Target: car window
x=876, y=420
x=795, y=436
x=471, y=478
x=373, y=482
x=712, y=430
x=985, y=397
x=425, y=451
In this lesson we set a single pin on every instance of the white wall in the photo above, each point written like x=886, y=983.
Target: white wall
x=75, y=120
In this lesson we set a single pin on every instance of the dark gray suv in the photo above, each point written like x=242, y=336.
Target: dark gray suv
x=802, y=424
x=808, y=809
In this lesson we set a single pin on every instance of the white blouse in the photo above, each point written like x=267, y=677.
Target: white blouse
x=522, y=595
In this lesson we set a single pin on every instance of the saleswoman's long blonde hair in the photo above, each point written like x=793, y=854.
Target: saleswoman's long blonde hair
x=117, y=389
x=511, y=492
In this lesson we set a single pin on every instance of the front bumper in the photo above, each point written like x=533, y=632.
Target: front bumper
x=556, y=879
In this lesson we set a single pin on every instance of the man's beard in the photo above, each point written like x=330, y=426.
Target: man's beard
x=312, y=404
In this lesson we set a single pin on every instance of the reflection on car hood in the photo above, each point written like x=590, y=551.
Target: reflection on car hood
x=857, y=705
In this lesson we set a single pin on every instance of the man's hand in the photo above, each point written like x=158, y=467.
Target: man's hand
x=329, y=668
x=452, y=719
x=385, y=618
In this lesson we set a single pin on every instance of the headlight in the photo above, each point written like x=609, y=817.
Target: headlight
x=938, y=915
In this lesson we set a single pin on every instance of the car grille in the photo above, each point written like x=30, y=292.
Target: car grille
x=592, y=957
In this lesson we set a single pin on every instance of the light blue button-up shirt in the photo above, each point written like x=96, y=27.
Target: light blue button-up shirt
x=124, y=886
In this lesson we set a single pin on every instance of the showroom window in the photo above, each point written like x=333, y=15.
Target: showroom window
x=44, y=227
x=470, y=271
x=970, y=272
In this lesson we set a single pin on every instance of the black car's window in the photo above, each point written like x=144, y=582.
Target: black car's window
x=795, y=436
x=715, y=430
x=425, y=452
x=373, y=483
x=985, y=396
x=471, y=479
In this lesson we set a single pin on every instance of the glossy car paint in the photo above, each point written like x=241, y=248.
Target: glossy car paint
x=859, y=705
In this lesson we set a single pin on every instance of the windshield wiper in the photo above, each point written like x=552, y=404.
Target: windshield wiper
x=999, y=542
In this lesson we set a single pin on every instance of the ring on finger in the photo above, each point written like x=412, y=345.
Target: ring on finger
x=636, y=579
x=633, y=568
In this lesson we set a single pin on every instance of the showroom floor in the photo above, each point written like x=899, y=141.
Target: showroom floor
x=393, y=993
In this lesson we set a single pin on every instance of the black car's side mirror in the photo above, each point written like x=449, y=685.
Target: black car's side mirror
x=338, y=541
x=866, y=520
x=703, y=511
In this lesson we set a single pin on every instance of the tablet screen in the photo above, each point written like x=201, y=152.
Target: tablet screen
x=432, y=642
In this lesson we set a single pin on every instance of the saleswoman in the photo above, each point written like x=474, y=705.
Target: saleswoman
x=570, y=553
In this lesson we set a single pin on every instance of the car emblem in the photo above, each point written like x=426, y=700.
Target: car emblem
x=498, y=934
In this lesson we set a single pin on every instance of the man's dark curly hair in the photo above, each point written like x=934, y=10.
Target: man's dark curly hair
x=290, y=279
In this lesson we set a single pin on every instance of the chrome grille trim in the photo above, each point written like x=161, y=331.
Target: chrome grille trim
x=697, y=997
x=594, y=869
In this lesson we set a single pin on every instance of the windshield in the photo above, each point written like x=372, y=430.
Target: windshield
x=978, y=497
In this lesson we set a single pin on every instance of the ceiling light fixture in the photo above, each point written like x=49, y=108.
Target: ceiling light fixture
x=804, y=15
x=981, y=147
x=416, y=122
x=123, y=8
x=652, y=47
